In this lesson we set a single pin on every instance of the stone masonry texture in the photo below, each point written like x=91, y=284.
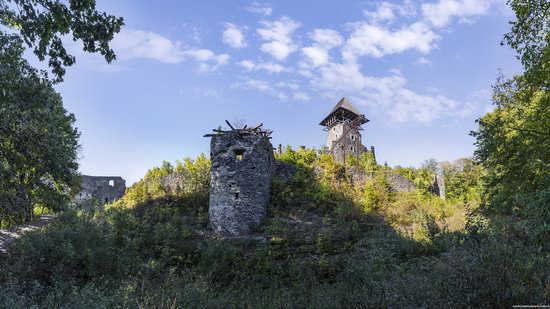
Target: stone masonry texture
x=241, y=175
x=105, y=189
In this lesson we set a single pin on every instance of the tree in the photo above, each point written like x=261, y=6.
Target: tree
x=431, y=165
x=513, y=144
x=42, y=23
x=38, y=141
x=513, y=141
x=462, y=180
x=530, y=37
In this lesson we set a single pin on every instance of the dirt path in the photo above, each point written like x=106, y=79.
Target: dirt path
x=9, y=235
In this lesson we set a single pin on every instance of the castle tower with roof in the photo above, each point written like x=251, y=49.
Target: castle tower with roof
x=343, y=127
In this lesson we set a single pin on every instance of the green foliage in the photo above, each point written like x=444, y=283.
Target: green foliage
x=42, y=23
x=513, y=141
x=187, y=178
x=530, y=37
x=367, y=162
x=375, y=194
x=327, y=242
x=420, y=177
x=38, y=140
x=463, y=180
x=513, y=145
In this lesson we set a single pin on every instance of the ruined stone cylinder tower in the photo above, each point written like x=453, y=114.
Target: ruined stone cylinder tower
x=241, y=173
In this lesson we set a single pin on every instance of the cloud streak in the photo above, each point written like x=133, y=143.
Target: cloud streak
x=138, y=44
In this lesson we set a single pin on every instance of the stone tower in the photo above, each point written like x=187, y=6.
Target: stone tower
x=343, y=127
x=242, y=168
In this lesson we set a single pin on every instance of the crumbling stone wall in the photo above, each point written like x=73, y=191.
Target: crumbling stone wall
x=104, y=188
x=240, y=186
x=398, y=183
x=438, y=186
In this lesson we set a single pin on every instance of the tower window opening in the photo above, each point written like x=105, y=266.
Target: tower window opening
x=352, y=148
x=111, y=183
x=239, y=154
x=236, y=195
x=352, y=137
x=106, y=200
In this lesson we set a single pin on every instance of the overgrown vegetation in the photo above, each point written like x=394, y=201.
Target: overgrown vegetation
x=327, y=242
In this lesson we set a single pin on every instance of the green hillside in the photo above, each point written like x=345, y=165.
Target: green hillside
x=325, y=243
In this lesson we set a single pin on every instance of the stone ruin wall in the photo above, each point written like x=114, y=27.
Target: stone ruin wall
x=105, y=189
x=240, y=187
x=438, y=186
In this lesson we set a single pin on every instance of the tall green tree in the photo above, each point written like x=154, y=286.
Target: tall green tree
x=530, y=37
x=38, y=140
x=513, y=141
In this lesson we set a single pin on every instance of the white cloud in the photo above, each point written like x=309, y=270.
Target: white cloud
x=278, y=36
x=258, y=8
x=316, y=55
x=301, y=96
x=131, y=44
x=422, y=61
x=370, y=38
x=440, y=14
x=388, y=12
x=385, y=11
x=324, y=40
x=266, y=66
x=206, y=59
x=292, y=86
x=377, y=41
x=233, y=36
x=277, y=89
x=388, y=96
x=327, y=38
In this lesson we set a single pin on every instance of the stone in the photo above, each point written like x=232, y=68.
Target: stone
x=105, y=189
x=343, y=127
x=398, y=183
x=438, y=186
x=240, y=187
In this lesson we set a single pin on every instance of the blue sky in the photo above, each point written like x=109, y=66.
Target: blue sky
x=420, y=71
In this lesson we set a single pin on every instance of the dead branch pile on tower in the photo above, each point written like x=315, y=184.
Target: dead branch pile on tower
x=244, y=131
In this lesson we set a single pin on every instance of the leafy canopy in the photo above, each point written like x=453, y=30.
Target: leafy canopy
x=42, y=24
x=513, y=141
x=38, y=140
